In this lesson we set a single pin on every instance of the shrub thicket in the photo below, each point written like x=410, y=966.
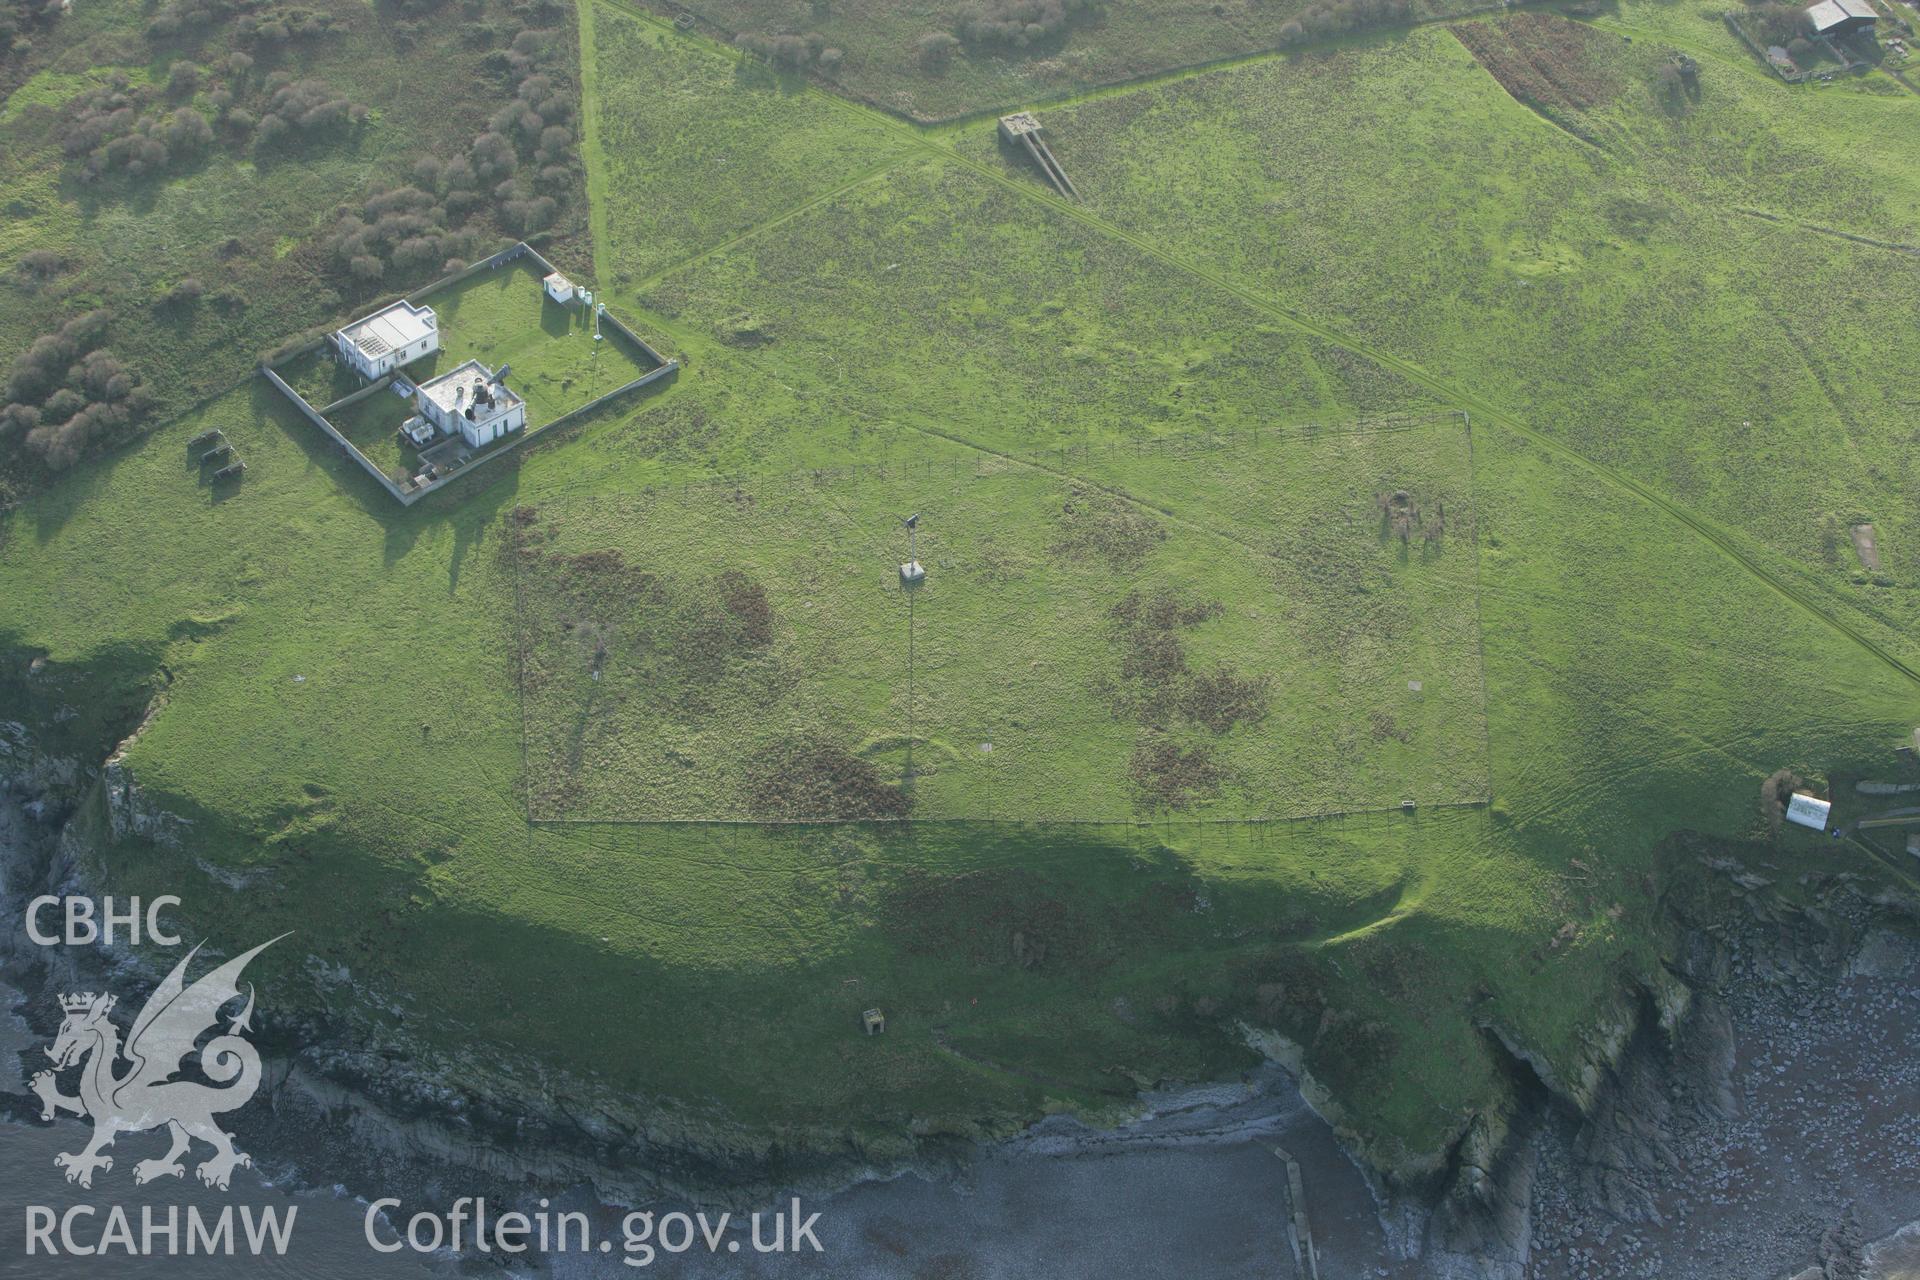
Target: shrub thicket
x=37, y=266
x=67, y=395
x=121, y=128
x=514, y=175
x=267, y=25
x=19, y=20
x=791, y=52
x=1016, y=24
x=936, y=49
x=1339, y=17
x=1774, y=23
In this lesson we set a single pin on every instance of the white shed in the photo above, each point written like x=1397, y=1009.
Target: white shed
x=1808, y=811
x=560, y=289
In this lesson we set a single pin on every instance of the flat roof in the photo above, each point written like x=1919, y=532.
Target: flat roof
x=452, y=391
x=389, y=329
x=557, y=278
x=1809, y=811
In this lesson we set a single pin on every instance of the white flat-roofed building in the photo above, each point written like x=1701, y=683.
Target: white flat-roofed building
x=471, y=402
x=378, y=344
x=1809, y=811
x=560, y=289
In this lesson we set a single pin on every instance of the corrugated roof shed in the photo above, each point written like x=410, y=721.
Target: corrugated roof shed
x=1835, y=15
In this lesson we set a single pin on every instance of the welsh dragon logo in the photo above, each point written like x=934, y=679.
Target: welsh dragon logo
x=145, y=1096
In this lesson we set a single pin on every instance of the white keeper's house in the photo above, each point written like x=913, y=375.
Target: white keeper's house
x=473, y=402
x=376, y=345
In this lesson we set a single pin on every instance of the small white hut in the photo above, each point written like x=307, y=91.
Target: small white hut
x=1809, y=811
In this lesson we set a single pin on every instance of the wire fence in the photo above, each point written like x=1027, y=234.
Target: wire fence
x=985, y=462
x=1164, y=820
x=1173, y=446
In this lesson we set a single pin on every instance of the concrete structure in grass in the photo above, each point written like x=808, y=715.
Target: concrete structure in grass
x=1809, y=811
x=1022, y=130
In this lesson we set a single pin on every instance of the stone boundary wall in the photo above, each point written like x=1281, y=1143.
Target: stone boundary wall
x=378, y=384
x=333, y=433
x=663, y=368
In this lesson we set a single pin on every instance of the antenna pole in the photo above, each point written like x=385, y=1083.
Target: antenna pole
x=910, y=595
x=910, y=575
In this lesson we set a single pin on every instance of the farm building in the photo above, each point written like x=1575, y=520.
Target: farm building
x=473, y=402
x=560, y=289
x=378, y=344
x=1808, y=811
x=1841, y=17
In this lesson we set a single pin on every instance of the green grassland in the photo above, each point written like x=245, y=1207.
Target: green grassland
x=949, y=305
x=340, y=727
x=373, y=425
x=696, y=655
x=504, y=317
x=1660, y=300
x=1638, y=609
x=698, y=148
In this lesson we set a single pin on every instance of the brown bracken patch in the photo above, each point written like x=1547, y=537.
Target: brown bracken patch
x=1544, y=61
x=1155, y=684
x=1222, y=698
x=804, y=778
x=1094, y=525
x=1170, y=777
x=744, y=619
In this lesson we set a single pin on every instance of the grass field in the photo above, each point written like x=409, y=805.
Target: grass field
x=504, y=317
x=698, y=149
x=1051, y=337
x=1078, y=654
x=1679, y=334
x=1659, y=298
